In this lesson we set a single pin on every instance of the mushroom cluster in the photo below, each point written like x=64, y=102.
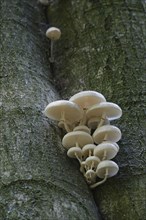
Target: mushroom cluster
x=90, y=138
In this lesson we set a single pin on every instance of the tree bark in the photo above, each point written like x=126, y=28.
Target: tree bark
x=103, y=48
x=38, y=181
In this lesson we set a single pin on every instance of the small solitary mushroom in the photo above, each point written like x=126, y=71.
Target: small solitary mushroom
x=75, y=152
x=105, y=169
x=76, y=139
x=107, y=133
x=53, y=34
x=65, y=112
x=86, y=99
x=104, y=110
x=106, y=150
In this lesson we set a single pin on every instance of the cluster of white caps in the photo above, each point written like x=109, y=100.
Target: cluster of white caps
x=90, y=138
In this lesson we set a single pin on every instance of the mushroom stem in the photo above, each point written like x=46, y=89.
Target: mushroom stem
x=101, y=182
x=92, y=164
x=83, y=120
x=104, y=155
x=80, y=161
x=90, y=153
x=103, y=117
x=52, y=57
x=77, y=144
x=65, y=125
x=63, y=121
x=105, y=137
x=87, y=167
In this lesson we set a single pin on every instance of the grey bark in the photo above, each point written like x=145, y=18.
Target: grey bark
x=103, y=48
x=38, y=181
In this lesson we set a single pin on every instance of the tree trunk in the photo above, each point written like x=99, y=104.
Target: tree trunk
x=103, y=48
x=38, y=181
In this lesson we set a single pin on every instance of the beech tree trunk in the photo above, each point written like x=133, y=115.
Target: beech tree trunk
x=38, y=181
x=102, y=48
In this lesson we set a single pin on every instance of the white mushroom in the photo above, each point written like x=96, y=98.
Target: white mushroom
x=76, y=139
x=90, y=176
x=53, y=34
x=87, y=150
x=105, y=169
x=91, y=163
x=75, y=152
x=106, y=150
x=65, y=112
x=107, y=133
x=86, y=99
x=82, y=128
x=94, y=122
x=104, y=110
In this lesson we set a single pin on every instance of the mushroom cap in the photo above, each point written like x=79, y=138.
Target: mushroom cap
x=82, y=128
x=71, y=111
x=92, y=159
x=111, y=110
x=115, y=144
x=93, y=122
x=53, y=33
x=80, y=137
x=90, y=175
x=107, y=164
x=72, y=152
x=87, y=148
x=108, y=133
x=86, y=99
x=108, y=147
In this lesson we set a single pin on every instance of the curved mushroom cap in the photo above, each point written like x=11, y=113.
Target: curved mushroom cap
x=74, y=151
x=82, y=128
x=93, y=122
x=111, y=111
x=63, y=108
x=53, y=33
x=92, y=160
x=86, y=99
x=90, y=176
x=106, y=147
x=115, y=144
x=108, y=133
x=109, y=165
x=76, y=137
x=88, y=148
